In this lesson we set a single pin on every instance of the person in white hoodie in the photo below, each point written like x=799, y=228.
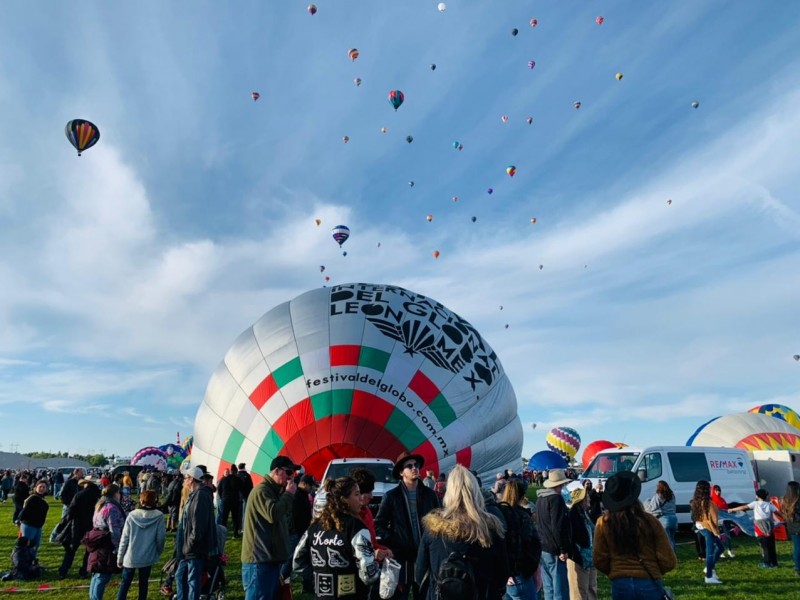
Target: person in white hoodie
x=142, y=543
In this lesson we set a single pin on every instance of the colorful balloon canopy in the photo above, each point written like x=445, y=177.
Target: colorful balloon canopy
x=546, y=460
x=175, y=455
x=749, y=431
x=340, y=234
x=511, y=170
x=352, y=54
x=255, y=96
x=592, y=449
x=187, y=444
x=150, y=456
x=82, y=134
x=396, y=98
x=564, y=441
x=359, y=370
x=779, y=411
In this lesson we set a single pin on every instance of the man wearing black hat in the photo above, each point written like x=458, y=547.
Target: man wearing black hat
x=265, y=543
x=399, y=518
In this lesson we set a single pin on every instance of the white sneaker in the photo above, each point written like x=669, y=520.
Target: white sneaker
x=713, y=579
x=731, y=554
x=713, y=572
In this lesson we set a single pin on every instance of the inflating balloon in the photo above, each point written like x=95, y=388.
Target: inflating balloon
x=359, y=370
x=564, y=441
x=778, y=411
x=175, y=455
x=82, y=134
x=592, y=449
x=546, y=460
x=150, y=456
x=749, y=431
x=340, y=234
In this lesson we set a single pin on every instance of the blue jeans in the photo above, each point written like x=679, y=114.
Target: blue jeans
x=57, y=490
x=796, y=551
x=714, y=550
x=188, y=579
x=33, y=534
x=98, y=585
x=127, y=579
x=524, y=588
x=261, y=580
x=670, y=523
x=554, y=577
x=635, y=588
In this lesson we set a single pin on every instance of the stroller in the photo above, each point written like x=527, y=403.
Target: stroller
x=213, y=580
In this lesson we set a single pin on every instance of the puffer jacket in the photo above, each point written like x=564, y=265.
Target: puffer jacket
x=143, y=539
x=393, y=521
x=443, y=536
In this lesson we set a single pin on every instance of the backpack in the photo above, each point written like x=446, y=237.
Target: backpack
x=456, y=579
x=522, y=542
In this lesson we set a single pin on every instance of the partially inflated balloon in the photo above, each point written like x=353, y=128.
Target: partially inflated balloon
x=778, y=411
x=359, y=370
x=546, y=460
x=82, y=134
x=564, y=441
x=175, y=455
x=749, y=431
x=150, y=456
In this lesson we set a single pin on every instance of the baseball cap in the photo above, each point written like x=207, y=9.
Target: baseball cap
x=195, y=473
x=283, y=462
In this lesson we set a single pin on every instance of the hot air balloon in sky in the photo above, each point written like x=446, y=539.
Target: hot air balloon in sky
x=796, y=357
x=359, y=370
x=318, y=222
x=504, y=118
x=150, y=456
x=618, y=76
x=352, y=54
x=346, y=139
x=511, y=170
x=576, y=104
x=429, y=218
x=357, y=81
x=599, y=20
x=564, y=441
x=433, y=66
x=533, y=220
x=322, y=268
x=669, y=202
x=384, y=130
x=474, y=219
x=531, y=64
x=455, y=198
x=695, y=104
x=490, y=191
x=187, y=444
x=396, y=98
x=312, y=9
x=442, y=7
x=340, y=234
x=410, y=184
x=436, y=254
x=409, y=139
x=255, y=96
x=514, y=32
x=529, y=120
x=82, y=134
x=534, y=22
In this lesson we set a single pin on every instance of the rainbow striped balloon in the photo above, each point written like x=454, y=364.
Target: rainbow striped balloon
x=359, y=370
x=564, y=441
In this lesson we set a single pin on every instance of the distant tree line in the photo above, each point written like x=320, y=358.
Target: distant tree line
x=96, y=460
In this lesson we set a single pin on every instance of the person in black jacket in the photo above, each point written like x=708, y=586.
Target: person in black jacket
x=80, y=513
x=33, y=515
x=68, y=491
x=197, y=536
x=555, y=534
x=399, y=518
x=230, y=491
x=522, y=542
x=463, y=527
x=21, y=493
x=172, y=501
x=247, y=484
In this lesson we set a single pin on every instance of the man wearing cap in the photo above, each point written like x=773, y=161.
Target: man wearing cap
x=399, y=518
x=196, y=538
x=265, y=539
x=555, y=535
x=300, y=518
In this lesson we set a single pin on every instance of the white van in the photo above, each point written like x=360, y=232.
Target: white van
x=681, y=467
x=381, y=468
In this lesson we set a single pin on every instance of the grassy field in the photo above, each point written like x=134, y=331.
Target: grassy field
x=742, y=578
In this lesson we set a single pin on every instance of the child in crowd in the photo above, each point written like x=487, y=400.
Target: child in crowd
x=763, y=514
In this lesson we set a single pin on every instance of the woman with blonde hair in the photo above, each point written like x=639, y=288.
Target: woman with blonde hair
x=790, y=507
x=465, y=528
x=337, y=545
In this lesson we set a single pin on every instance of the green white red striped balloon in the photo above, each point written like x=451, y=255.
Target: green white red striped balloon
x=359, y=370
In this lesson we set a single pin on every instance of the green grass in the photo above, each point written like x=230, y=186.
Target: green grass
x=742, y=578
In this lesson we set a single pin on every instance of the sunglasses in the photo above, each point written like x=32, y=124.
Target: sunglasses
x=289, y=472
x=411, y=466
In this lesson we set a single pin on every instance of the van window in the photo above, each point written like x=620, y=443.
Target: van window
x=606, y=465
x=689, y=466
x=651, y=463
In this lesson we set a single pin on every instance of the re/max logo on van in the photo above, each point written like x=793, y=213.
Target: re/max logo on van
x=726, y=464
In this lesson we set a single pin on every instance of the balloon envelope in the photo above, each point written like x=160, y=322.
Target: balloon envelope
x=778, y=411
x=749, y=431
x=359, y=370
x=82, y=134
x=546, y=460
x=175, y=455
x=564, y=441
x=150, y=456
x=592, y=449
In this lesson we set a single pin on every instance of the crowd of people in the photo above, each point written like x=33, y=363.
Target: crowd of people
x=433, y=537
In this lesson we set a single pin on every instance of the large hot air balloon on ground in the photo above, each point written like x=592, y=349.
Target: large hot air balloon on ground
x=779, y=411
x=82, y=134
x=359, y=370
x=150, y=456
x=546, y=460
x=592, y=449
x=749, y=431
x=564, y=441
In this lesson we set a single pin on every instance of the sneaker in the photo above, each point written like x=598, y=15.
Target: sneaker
x=165, y=590
x=731, y=554
x=713, y=572
x=714, y=579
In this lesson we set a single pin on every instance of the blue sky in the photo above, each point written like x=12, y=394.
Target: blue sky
x=127, y=273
